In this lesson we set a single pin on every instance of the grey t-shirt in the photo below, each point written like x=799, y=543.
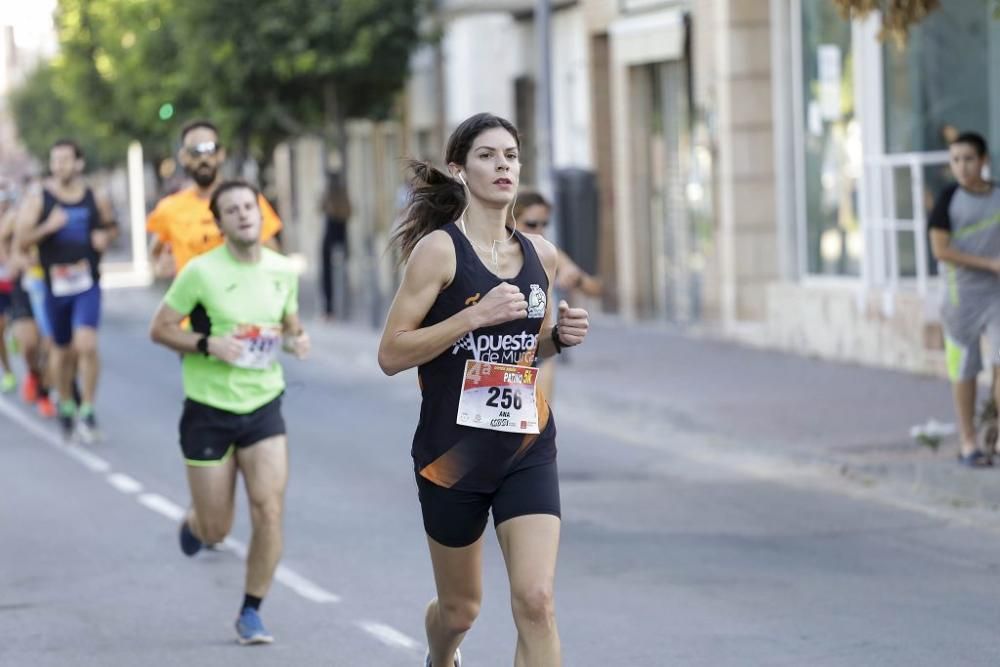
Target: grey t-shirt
x=973, y=220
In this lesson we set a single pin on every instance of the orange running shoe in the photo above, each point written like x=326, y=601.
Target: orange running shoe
x=29, y=392
x=45, y=407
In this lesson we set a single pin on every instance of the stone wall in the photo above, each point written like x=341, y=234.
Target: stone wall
x=840, y=323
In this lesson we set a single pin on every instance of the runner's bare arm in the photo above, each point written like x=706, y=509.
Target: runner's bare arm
x=107, y=212
x=7, y=225
x=166, y=330
x=573, y=321
x=156, y=247
x=570, y=276
x=296, y=339
x=29, y=233
x=6, y=233
x=107, y=230
x=404, y=344
x=944, y=251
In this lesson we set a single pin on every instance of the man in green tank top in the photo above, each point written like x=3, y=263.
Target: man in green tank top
x=242, y=300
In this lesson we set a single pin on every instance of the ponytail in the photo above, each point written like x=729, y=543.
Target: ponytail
x=435, y=200
x=435, y=197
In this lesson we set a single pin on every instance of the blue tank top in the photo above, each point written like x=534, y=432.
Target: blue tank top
x=463, y=457
x=70, y=244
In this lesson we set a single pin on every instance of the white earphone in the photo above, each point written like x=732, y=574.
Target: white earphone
x=462, y=178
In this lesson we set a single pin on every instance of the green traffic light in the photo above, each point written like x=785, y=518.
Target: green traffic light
x=166, y=111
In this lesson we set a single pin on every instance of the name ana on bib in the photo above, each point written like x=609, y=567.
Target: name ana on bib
x=498, y=397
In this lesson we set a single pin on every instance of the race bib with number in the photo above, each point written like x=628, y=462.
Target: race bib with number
x=71, y=279
x=261, y=343
x=499, y=397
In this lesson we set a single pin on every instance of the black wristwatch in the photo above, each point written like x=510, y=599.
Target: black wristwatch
x=202, y=345
x=555, y=339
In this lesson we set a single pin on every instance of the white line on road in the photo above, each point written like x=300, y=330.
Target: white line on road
x=161, y=505
x=303, y=586
x=91, y=461
x=236, y=546
x=389, y=635
x=171, y=510
x=124, y=483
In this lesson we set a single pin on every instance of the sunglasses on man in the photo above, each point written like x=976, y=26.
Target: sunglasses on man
x=536, y=224
x=202, y=149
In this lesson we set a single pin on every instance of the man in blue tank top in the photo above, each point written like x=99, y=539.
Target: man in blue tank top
x=71, y=227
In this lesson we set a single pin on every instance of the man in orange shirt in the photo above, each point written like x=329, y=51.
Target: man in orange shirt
x=182, y=224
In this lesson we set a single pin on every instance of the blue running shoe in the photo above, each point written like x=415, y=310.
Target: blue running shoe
x=458, y=659
x=251, y=629
x=190, y=544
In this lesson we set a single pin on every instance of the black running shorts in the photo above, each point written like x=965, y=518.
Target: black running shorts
x=20, y=304
x=457, y=518
x=209, y=435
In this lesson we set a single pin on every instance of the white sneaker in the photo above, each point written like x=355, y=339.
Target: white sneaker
x=87, y=431
x=458, y=659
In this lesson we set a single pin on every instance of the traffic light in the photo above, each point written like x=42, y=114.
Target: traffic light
x=166, y=111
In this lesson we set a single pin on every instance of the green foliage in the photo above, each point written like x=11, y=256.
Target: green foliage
x=261, y=69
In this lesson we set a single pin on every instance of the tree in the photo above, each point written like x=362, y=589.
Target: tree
x=118, y=67
x=898, y=16
x=286, y=67
x=263, y=70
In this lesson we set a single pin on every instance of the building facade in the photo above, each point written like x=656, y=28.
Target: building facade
x=765, y=167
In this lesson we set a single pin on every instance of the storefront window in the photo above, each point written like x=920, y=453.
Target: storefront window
x=831, y=144
x=946, y=79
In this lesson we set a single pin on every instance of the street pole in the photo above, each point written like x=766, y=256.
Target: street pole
x=137, y=213
x=543, y=133
x=543, y=111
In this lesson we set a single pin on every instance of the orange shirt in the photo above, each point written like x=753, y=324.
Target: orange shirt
x=184, y=222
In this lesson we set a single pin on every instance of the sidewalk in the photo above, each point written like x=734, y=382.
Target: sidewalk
x=756, y=411
x=775, y=410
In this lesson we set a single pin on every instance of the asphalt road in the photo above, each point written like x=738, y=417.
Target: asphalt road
x=666, y=559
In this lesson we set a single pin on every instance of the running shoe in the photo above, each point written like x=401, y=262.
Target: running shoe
x=29, y=390
x=8, y=383
x=458, y=659
x=86, y=428
x=250, y=628
x=45, y=407
x=67, y=422
x=190, y=544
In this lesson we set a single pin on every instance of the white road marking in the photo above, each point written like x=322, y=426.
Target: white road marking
x=124, y=483
x=91, y=461
x=161, y=505
x=389, y=635
x=303, y=586
x=174, y=512
x=236, y=546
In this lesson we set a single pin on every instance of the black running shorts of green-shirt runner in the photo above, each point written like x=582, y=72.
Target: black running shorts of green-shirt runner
x=467, y=467
x=226, y=406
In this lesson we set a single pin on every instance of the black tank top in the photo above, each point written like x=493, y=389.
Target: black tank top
x=70, y=244
x=463, y=457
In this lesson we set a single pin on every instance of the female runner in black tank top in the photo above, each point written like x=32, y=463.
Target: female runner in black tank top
x=472, y=313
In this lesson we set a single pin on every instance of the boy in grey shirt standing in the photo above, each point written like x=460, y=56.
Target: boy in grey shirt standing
x=965, y=239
